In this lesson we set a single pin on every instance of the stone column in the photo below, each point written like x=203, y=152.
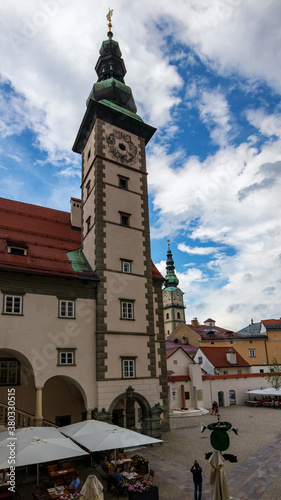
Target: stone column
x=38, y=407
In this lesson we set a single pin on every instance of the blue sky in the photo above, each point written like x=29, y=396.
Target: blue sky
x=208, y=76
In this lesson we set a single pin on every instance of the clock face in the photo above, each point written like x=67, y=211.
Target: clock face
x=121, y=147
x=166, y=296
x=177, y=295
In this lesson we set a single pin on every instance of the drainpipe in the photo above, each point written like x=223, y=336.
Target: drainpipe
x=266, y=351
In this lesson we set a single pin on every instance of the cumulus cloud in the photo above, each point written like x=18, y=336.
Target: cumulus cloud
x=196, y=250
x=227, y=198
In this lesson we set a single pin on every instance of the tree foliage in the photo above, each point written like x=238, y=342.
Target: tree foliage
x=274, y=375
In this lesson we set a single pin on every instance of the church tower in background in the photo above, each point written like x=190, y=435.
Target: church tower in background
x=130, y=343
x=172, y=297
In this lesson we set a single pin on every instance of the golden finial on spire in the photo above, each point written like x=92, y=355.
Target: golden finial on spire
x=108, y=17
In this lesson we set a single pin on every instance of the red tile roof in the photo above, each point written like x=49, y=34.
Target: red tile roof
x=172, y=346
x=48, y=236
x=271, y=321
x=155, y=273
x=213, y=332
x=217, y=356
x=45, y=232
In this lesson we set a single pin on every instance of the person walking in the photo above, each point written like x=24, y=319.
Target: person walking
x=214, y=407
x=197, y=479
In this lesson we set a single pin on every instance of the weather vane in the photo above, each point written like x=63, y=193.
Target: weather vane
x=108, y=17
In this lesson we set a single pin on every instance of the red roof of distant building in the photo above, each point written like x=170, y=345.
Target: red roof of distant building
x=271, y=321
x=213, y=332
x=172, y=346
x=217, y=356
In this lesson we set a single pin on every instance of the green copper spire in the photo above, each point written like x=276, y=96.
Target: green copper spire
x=111, y=70
x=171, y=279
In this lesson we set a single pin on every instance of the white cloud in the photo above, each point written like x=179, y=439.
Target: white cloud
x=230, y=197
x=197, y=250
x=215, y=114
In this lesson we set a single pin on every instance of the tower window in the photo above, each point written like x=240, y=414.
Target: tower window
x=167, y=316
x=126, y=266
x=124, y=219
x=89, y=154
x=128, y=368
x=88, y=224
x=123, y=182
x=178, y=316
x=88, y=188
x=127, y=309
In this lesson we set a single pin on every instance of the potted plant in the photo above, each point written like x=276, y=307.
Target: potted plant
x=143, y=490
x=142, y=462
x=70, y=496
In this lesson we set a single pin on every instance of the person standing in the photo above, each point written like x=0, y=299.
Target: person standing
x=214, y=407
x=197, y=479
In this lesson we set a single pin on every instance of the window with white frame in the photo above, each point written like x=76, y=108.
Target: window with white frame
x=66, y=356
x=252, y=353
x=127, y=309
x=9, y=371
x=128, y=368
x=66, y=309
x=12, y=304
x=126, y=266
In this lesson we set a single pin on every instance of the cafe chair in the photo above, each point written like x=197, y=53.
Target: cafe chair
x=66, y=465
x=5, y=494
x=38, y=495
x=151, y=475
x=52, y=468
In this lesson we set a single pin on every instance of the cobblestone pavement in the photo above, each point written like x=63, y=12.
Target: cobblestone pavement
x=256, y=476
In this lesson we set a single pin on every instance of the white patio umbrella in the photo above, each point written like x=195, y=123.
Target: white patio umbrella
x=98, y=436
x=218, y=484
x=34, y=445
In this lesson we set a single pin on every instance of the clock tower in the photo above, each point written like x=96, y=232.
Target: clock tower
x=172, y=297
x=131, y=373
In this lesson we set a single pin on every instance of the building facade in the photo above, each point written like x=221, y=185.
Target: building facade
x=102, y=300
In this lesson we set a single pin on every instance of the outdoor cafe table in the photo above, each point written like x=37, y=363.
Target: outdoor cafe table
x=124, y=462
x=57, y=492
x=131, y=476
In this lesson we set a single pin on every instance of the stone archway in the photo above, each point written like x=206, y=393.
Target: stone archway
x=64, y=400
x=19, y=368
x=150, y=417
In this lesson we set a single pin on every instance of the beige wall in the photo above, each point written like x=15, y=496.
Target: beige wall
x=127, y=245
x=240, y=385
x=134, y=290
x=39, y=332
x=123, y=345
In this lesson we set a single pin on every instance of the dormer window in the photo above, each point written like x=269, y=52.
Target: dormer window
x=14, y=248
